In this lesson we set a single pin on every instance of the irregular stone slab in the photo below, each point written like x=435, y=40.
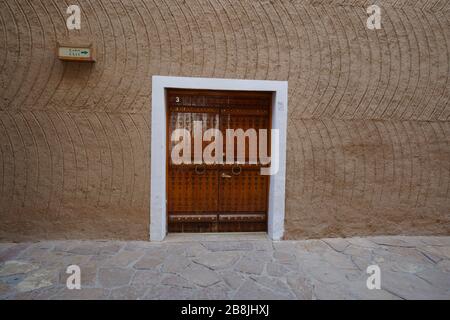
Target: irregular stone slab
x=123, y=258
x=276, y=269
x=43, y=257
x=11, y=252
x=146, y=278
x=361, y=252
x=250, y=290
x=337, y=244
x=114, y=277
x=110, y=249
x=44, y=245
x=4, y=289
x=5, y=245
x=400, y=259
x=330, y=291
x=339, y=260
x=201, y=276
x=305, y=258
x=128, y=293
x=444, y=265
x=357, y=289
x=98, y=259
x=408, y=286
x=140, y=245
x=46, y=293
x=312, y=246
x=14, y=279
x=354, y=290
x=391, y=241
x=36, y=280
x=443, y=251
x=262, y=245
x=328, y=273
x=362, y=243
x=171, y=293
x=285, y=245
x=361, y=257
x=217, y=260
x=88, y=275
x=275, y=285
x=16, y=267
x=302, y=287
x=435, y=241
x=175, y=264
x=408, y=254
x=180, y=248
x=147, y=263
x=233, y=279
x=31, y=253
x=217, y=291
x=407, y=267
x=64, y=246
x=228, y=246
x=437, y=278
x=284, y=257
x=251, y=265
x=70, y=259
x=85, y=249
x=173, y=280
x=195, y=249
x=430, y=255
x=83, y=294
x=157, y=252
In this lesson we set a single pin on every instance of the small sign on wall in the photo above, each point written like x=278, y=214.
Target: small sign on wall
x=77, y=53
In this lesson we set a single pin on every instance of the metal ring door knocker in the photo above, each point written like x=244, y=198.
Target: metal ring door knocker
x=200, y=169
x=236, y=170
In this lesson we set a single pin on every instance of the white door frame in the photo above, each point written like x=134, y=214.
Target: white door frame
x=158, y=210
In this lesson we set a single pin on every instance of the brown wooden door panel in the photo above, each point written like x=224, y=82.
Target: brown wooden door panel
x=243, y=192
x=193, y=191
x=218, y=197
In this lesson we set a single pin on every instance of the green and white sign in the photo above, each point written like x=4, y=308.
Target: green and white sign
x=69, y=53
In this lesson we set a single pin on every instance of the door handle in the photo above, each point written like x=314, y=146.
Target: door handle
x=224, y=175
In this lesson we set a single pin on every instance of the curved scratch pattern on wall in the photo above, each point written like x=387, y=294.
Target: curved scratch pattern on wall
x=368, y=135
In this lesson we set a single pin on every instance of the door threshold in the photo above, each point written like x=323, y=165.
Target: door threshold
x=212, y=236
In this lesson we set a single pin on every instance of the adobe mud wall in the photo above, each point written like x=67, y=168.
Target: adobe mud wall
x=368, y=134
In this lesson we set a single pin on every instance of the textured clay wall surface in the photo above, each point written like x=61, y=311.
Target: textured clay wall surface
x=368, y=134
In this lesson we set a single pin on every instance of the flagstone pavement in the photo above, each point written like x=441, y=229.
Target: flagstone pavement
x=228, y=267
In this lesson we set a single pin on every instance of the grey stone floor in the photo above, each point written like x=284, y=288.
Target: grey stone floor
x=217, y=267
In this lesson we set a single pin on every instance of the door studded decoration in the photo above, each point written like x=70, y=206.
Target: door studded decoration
x=219, y=196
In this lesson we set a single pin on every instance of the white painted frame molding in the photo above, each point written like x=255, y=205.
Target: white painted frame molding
x=158, y=210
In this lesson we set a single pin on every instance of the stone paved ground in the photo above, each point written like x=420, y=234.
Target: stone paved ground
x=217, y=268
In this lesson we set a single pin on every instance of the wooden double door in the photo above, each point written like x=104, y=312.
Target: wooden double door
x=219, y=196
